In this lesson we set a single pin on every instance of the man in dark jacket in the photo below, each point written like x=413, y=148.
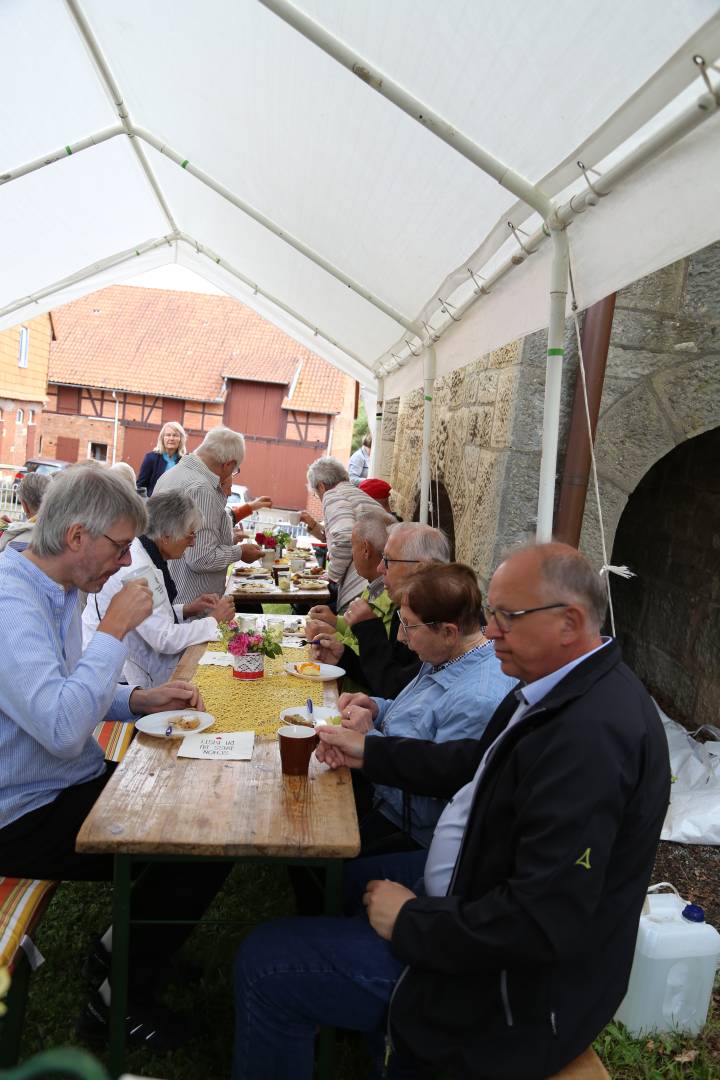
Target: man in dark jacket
x=515, y=950
x=384, y=665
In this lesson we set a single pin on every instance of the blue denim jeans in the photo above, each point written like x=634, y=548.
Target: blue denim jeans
x=293, y=975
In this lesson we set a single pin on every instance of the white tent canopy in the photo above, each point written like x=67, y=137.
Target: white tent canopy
x=219, y=136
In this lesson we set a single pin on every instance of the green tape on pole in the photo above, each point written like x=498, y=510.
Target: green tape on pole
x=68, y=150
x=556, y=352
x=184, y=164
x=428, y=397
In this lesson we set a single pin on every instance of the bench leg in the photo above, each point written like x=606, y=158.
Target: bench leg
x=11, y=1024
x=120, y=949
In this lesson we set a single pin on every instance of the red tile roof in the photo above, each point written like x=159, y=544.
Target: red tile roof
x=182, y=345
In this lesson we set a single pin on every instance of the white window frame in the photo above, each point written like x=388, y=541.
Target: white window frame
x=19, y=417
x=23, y=347
x=31, y=417
x=94, y=442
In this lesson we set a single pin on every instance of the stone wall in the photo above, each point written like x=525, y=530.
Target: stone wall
x=662, y=384
x=668, y=618
x=487, y=423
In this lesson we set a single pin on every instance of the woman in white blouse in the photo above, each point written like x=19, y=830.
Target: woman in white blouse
x=155, y=646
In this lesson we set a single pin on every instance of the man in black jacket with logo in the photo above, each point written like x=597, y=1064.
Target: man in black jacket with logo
x=515, y=949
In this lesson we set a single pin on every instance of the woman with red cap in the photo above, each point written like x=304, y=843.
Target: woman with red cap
x=378, y=490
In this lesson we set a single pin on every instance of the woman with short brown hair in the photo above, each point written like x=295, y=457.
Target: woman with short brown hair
x=453, y=696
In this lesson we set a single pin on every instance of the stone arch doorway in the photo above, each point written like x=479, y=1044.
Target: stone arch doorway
x=441, y=513
x=668, y=617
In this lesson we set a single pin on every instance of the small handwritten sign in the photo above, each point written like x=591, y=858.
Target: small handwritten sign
x=228, y=746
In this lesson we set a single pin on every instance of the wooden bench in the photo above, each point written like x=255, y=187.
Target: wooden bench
x=23, y=902
x=587, y=1066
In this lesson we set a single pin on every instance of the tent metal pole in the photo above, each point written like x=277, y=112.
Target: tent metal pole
x=85, y=272
x=416, y=109
x=354, y=366
x=696, y=114
x=507, y=178
x=65, y=151
x=277, y=230
x=376, y=463
x=429, y=368
x=553, y=386
x=113, y=91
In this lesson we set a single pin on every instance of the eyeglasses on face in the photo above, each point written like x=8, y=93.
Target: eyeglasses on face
x=505, y=619
x=407, y=627
x=121, y=547
x=384, y=559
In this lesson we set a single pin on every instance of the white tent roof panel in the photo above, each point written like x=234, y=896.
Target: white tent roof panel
x=232, y=88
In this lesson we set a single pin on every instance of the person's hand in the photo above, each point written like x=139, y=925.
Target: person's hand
x=223, y=610
x=127, y=609
x=322, y=613
x=358, y=611
x=176, y=694
x=239, y=534
x=383, y=900
x=263, y=502
x=328, y=651
x=318, y=629
x=338, y=747
x=201, y=604
x=363, y=700
x=251, y=552
x=308, y=519
x=355, y=718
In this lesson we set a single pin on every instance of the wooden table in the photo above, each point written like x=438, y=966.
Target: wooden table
x=271, y=594
x=156, y=806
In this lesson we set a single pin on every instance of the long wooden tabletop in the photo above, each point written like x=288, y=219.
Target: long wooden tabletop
x=157, y=804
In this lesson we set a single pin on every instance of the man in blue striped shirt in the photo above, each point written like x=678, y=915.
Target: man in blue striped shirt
x=52, y=696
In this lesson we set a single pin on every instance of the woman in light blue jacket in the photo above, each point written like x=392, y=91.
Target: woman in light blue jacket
x=453, y=696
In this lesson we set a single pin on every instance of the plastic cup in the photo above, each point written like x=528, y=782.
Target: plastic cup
x=157, y=590
x=296, y=746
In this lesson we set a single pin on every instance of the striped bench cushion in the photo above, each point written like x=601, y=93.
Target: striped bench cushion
x=22, y=902
x=114, y=737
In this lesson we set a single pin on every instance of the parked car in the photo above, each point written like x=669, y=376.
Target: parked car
x=49, y=466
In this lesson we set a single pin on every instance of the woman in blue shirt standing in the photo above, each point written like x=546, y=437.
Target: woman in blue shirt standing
x=170, y=447
x=453, y=696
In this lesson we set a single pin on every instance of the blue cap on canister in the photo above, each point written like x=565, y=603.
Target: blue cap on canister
x=693, y=913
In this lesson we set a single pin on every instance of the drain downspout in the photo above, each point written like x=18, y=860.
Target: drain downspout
x=596, y=331
x=429, y=367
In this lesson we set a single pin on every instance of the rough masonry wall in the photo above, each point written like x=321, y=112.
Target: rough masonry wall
x=662, y=384
x=487, y=425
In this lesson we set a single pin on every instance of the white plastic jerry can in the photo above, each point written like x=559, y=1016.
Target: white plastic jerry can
x=673, y=970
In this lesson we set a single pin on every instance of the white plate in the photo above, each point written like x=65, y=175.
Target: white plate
x=327, y=671
x=321, y=713
x=156, y=723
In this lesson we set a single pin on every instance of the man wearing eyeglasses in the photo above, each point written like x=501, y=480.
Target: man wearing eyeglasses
x=384, y=665
x=52, y=695
x=514, y=950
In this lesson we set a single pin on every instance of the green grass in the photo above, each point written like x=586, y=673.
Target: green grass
x=251, y=894
x=58, y=990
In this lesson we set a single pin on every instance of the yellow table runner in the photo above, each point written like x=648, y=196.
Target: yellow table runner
x=255, y=705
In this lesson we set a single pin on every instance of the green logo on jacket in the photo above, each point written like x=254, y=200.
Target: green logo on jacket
x=584, y=859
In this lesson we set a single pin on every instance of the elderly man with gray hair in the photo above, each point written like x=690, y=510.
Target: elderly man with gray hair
x=384, y=664
x=342, y=504
x=203, y=568
x=31, y=490
x=52, y=695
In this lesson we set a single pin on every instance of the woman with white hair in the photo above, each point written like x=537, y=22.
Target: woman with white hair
x=342, y=504
x=156, y=645
x=31, y=489
x=170, y=447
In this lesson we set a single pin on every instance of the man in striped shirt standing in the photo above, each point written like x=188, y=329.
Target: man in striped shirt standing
x=203, y=568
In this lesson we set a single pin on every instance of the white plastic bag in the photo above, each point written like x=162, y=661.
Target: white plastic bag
x=693, y=816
